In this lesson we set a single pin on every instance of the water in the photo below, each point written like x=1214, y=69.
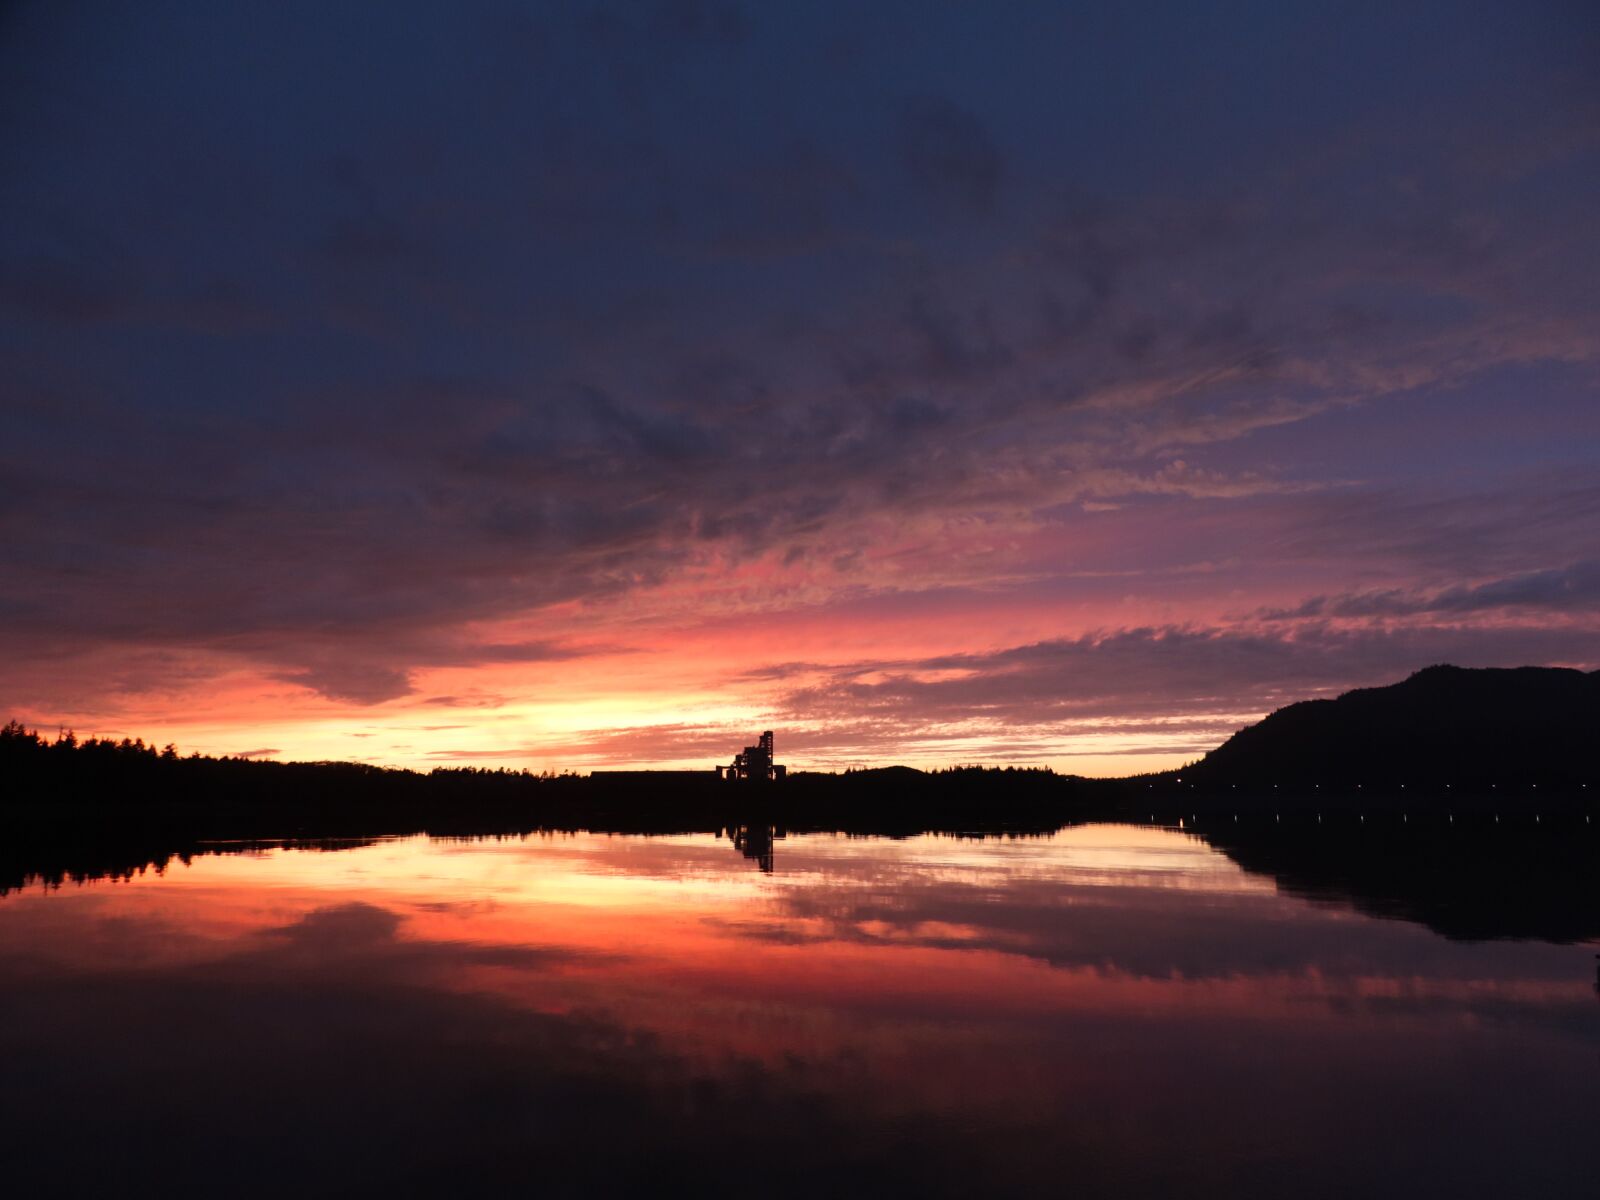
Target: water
x=1106, y=1010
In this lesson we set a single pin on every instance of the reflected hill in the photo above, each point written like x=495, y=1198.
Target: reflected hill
x=1466, y=882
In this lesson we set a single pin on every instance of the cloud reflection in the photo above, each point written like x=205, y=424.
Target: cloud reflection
x=589, y=1015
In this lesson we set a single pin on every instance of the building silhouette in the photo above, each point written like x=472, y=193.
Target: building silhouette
x=754, y=763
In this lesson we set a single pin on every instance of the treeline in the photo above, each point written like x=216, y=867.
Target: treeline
x=38, y=774
x=98, y=807
x=35, y=769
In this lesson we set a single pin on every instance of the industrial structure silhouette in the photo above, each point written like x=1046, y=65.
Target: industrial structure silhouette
x=754, y=763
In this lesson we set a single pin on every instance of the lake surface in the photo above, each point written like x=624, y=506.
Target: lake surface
x=1106, y=1010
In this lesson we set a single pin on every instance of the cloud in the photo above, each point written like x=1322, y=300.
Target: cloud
x=948, y=151
x=1491, y=530
x=1573, y=589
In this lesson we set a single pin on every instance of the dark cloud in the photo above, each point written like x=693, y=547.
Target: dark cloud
x=949, y=152
x=1573, y=589
x=1500, y=530
x=361, y=939
x=357, y=682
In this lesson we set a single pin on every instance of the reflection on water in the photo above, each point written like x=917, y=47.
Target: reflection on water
x=755, y=842
x=1105, y=1010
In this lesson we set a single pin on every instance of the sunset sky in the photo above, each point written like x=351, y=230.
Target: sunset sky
x=567, y=386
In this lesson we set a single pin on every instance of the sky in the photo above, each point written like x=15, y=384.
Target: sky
x=570, y=386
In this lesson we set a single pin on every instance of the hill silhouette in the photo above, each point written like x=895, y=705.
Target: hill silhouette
x=1473, y=729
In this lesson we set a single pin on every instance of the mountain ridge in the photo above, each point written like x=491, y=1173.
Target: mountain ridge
x=1467, y=726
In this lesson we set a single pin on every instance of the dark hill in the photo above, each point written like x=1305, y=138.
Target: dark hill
x=1473, y=729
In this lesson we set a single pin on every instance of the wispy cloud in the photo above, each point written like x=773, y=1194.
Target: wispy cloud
x=1569, y=589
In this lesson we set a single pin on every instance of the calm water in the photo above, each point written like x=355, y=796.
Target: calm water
x=1108, y=1010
